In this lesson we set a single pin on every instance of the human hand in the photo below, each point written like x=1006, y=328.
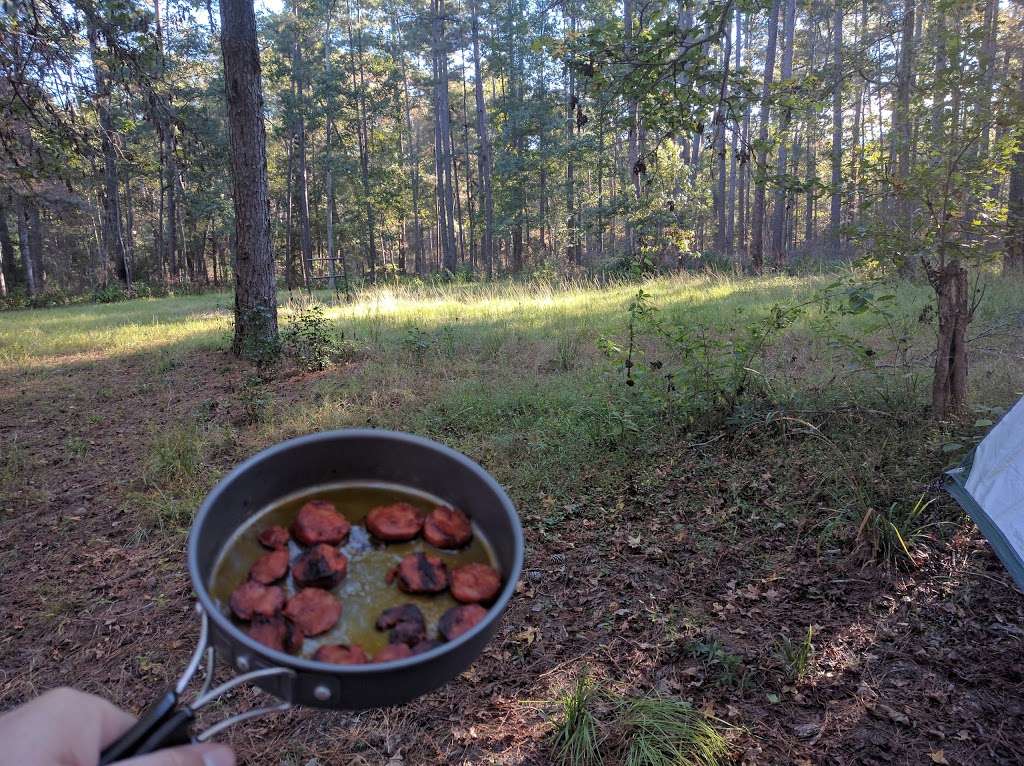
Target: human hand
x=65, y=727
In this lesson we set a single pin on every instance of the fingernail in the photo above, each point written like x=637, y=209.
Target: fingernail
x=218, y=755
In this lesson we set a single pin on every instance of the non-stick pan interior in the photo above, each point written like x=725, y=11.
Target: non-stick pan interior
x=355, y=455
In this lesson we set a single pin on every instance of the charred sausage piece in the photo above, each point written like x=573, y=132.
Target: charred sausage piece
x=392, y=652
x=447, y=528
x=405, y=622
x=420, y=573
x=277, y=633
x=425, y=646
x=475, y=583
x=339, y=654
x=318, y=521
x=251, y=598
x=395, y=523
x=322, y=566
x=274, y=537
x=313, y=610
x=270, y=567
x=459, y=619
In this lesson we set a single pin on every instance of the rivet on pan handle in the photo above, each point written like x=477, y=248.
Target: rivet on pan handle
x=165, y=724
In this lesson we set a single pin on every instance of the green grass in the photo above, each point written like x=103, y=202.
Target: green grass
x=576, y=740
x=661, y=731
x=796, y=655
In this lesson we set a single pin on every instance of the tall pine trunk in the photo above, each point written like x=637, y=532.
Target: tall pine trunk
x=836, y=208
x=484, y=160
x=255, y=289
x=760, y=176
x=298, y=77
x=779, y=211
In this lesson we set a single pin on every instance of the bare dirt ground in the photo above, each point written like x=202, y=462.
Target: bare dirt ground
x=684, y=580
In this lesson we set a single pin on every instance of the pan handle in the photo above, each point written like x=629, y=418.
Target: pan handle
x=166, y=724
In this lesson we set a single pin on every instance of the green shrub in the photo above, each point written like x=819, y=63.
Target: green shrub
x=309, y=340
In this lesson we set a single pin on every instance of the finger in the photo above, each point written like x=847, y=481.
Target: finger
x=84, y=716
x=190, y=755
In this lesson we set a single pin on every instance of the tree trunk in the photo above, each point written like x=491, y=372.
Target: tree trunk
x=483, y=154
x=414, y=170
x=949, y=385
x=757, y=214
x=633, y=158
x=836, y=208
x=298, y=77
x=328, y=168
x=1014, y=261
x=443, y=139
x=113, y=242
x=255, y=290
x=730, y=221
x=902, y=131
x=11, y=276
x=779, y=211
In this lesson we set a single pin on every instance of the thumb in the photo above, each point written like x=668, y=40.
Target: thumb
x=189, y=755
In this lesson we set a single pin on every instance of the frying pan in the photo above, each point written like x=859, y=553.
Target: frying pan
x=284, y=469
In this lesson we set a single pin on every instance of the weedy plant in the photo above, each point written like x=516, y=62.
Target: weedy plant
x=309, y=340
x=660, y=731
x=796, y=656
x=175, y=455
x=254, y=400
x=894, y=536
x=720, y=666
x=577, y=740
x=597, y=727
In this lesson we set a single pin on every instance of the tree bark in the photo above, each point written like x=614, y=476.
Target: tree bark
x=779, y=211
x=11, y=276
x=443, y=139
x=255, y=290
x=1014, y=260
x=484, y=161
x=414, y=171
x=113, y=242
x=949, y=384
x=298, y=77
x=902, y=131
x=836, y=208
x=757, y=214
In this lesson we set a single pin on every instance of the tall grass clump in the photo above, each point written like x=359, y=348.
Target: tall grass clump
x=577, y=740
x=660, y=731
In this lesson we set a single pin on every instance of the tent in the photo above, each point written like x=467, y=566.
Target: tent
x=989, y=486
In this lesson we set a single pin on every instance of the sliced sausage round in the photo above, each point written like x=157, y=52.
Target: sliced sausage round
x=475, y=583
x=420, y=573
x=322, y=566
x=447, y=528
x=274, y=537
x=339, y=654
x=252, y=598
x=394, y=523
x=405, y=622
x=425, y=646
x=392, y=652
x=315, y=611
x=459, y=619
x=270, y=567
x=318, y=521
x=277, y=633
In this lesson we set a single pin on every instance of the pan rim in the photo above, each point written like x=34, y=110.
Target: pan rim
x=222, y=622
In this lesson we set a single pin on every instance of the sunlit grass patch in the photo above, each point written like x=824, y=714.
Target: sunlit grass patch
x=576, y=740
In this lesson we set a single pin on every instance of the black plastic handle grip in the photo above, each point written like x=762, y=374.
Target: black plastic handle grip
x=164, y=724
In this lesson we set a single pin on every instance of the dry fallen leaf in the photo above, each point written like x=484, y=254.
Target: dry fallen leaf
x=938, y=756
x=527, y=636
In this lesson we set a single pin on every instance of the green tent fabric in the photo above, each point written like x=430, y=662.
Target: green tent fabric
x=989, y=486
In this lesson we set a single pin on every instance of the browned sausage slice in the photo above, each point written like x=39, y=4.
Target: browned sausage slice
x=274, y=537
x=277, y=633
x=392, y=652
x=270, y=567
x=475, y=583
x=405, y=622
x=459, y=619
x=315, y=611
x=318, y=521
x=420, y=573
x=252, y=598
x=425, y=646
x=322, y=566
x=394, y=523
x=447, y=528
x=339, y=654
